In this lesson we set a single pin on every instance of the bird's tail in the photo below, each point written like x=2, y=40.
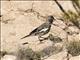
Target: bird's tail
x=25, y=36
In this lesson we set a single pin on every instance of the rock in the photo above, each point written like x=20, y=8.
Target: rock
x=9, y=57
x=2, y=53
x=57, y=31
x=40, y=46
x=51, y=50
x=27, y=54
x=60, y=24
x=79, y=22
x=60, y=56
x=75, y=37
x=75, y=58
x=72, y=30
x=54, y=39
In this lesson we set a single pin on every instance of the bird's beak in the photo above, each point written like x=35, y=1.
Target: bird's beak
x=54, y=24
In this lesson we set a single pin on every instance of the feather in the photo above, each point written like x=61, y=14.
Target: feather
x=25, y=36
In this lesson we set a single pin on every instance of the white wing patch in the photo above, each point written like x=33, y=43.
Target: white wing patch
x=45, y=29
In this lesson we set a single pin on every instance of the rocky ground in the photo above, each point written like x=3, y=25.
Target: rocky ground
x=18, y=18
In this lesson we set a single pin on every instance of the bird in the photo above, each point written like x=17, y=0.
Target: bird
x=42, y=29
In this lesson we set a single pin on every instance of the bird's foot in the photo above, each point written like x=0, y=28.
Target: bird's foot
x=41, y=41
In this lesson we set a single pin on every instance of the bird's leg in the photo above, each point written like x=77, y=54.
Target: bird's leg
x=44, y=38
x=40, y=39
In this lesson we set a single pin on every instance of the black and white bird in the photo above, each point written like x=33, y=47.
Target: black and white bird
x=42, y=29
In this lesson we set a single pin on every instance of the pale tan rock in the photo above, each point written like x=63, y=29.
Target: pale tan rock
x=60, y=24
x=59, y=56
x=73, y=30
x=9, y=57
x=74, y=37
x=75, y=58
x=57, y=31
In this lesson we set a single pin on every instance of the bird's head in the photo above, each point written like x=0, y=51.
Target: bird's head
x=50, y=19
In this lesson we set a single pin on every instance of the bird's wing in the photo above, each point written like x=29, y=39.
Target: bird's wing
x=30, y=33
x=43, y=27
x=33, y=31
x=36, y=30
